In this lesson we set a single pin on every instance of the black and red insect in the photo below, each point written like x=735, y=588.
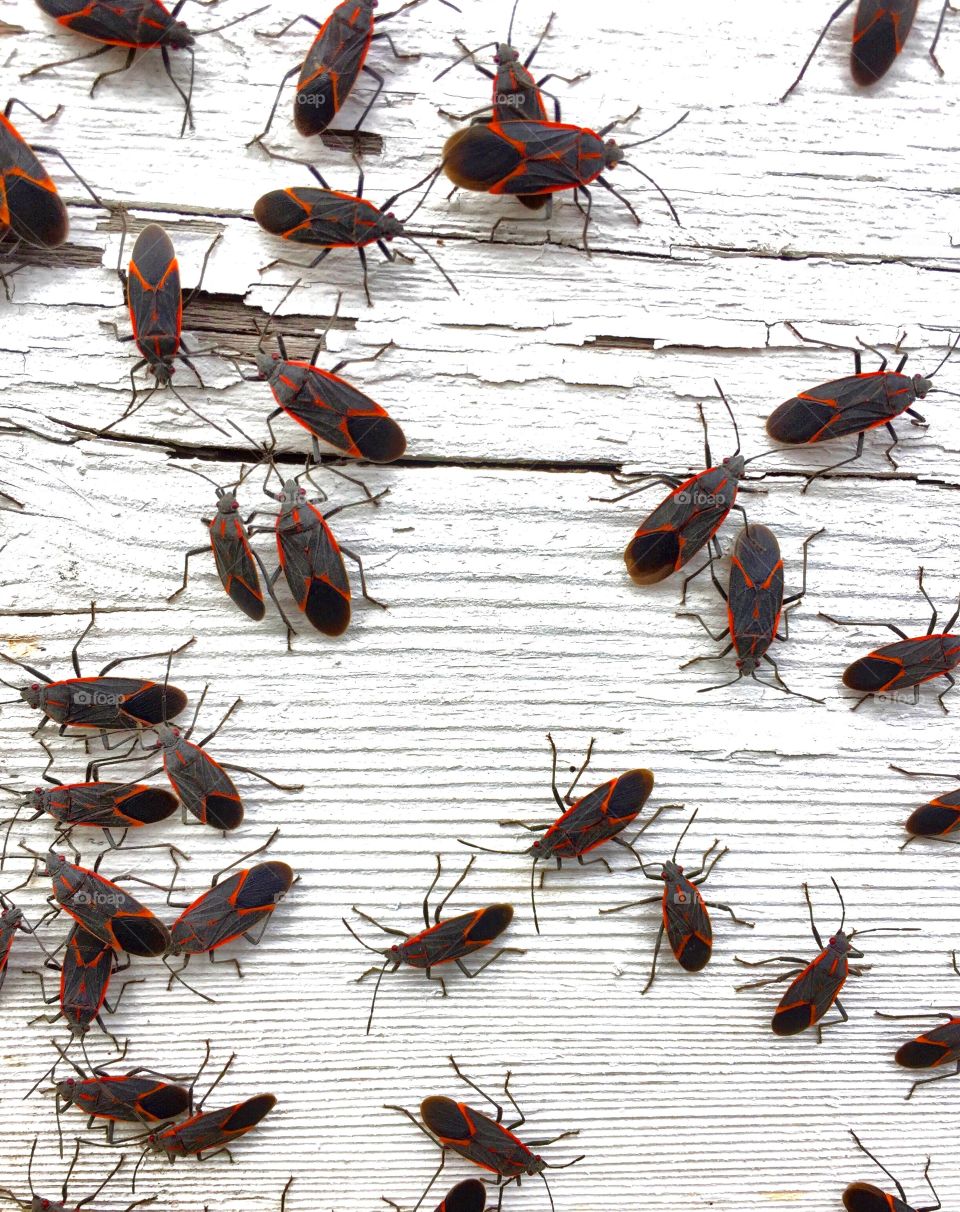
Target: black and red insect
x=133, y=26
x=335, y=59
x=685, y=919
x=327, y=219
x=93, y=805
x=311, y=559
x=31, y=211
x=101, y=702
x=37, y=1203
x=468, y=1196
x=906, y=664
x=583, y=824
x=440, y=942
x=852, y=405
x=522, y=158
x=865, y=1197
x=936, y=1048
x=880, y=30
x=937, y=818
x=327, y=406
x=140, y=1096
x=488, y=1143
x=207, y=1133
x=688, y=518
x=755, y=606
x=515, y=92
x=239, y=906
x=86, y=970
x=236, y=560
x=155, y=302
x=104, y=909
x=815, y=986
x=205, y=789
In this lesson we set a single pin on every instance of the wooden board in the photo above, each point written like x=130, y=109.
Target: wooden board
x=509, y=612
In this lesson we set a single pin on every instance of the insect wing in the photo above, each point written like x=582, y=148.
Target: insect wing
x=687, y=924
x=29, y=203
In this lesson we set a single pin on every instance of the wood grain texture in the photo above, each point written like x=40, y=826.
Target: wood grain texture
x=509, y=611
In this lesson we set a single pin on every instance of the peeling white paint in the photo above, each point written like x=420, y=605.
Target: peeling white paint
x=510, y=614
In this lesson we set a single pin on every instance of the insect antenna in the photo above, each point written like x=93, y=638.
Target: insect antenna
x=676, y=849
x=429, y=255
x=658, y=188
x=726, y=404
x=943, y=361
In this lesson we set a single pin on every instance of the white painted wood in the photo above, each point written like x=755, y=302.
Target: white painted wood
x=509, y=611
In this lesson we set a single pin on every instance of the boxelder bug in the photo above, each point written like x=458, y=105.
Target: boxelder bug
x=938, y=1046
x=131, y=25
x=236, y=560
x=101, y=702
x=515, y=92
x=328, y=407
x=852, y=405
x=207, y=1133
x=326, y=219
x=595, y=818
x=815, y=985
x=231, y=909
x=31, y=211
x=205, y=789
x=140, y=1096
x=521, y=157
x=37, y=1203
x=865, y=1197
x=468, y=1196
x=486, y=1142
x=689, y=517
x=685, y=917
x=104, y=909
x=333, y=63
x=909, y=662
x=311, y=559
x=88, y=966
x=880, y=30
x=440, y=942
x=755, y=606
x=937, y=818
x=155, y=303
x=103, y=806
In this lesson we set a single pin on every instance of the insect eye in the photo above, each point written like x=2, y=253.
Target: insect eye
x=234, y=504
x=833, y=942
x=35, y=686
